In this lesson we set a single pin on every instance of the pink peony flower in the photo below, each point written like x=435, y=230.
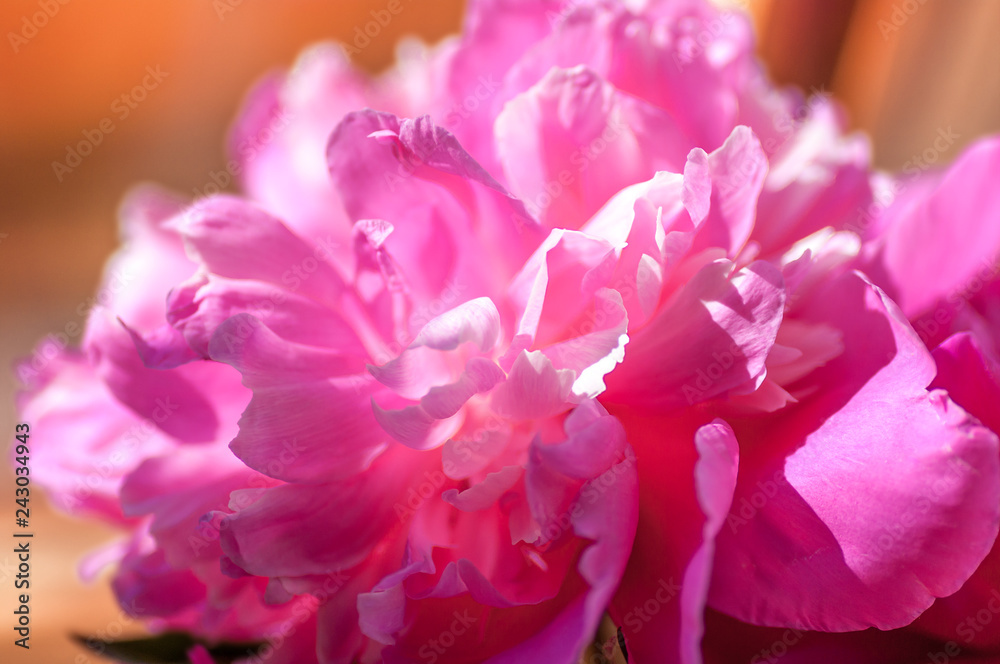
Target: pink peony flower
x=955, y=313
x=569, y=328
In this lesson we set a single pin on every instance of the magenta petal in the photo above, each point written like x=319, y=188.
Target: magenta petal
x=416, y=148
x=925, y=258
x=686, y=488
x=737, y=170
x=68, y=401
x=171, y=400
x=147, y=582
x=413, y=426
x=235, y=239
x=484, y=494
x=199, y=306
x=971, y=377
x=713, y=336
x=297, y=391
x=177, y=490
x=867, y=501
x=349, y=519
x=595, y=443
x=480, y=375
x=533, y=389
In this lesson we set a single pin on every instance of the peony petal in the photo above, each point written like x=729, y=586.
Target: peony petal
x=873, y=497
x=923, y=257
x=572, y=141
x=234, y=239
x=737, y=170
x=661, y=601
x=533, y=389
x=297, y=391
x=713, y=336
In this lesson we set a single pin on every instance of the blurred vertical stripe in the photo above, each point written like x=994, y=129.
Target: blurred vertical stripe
x=904, y=69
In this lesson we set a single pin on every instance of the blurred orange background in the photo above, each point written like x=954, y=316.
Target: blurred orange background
x=903, y=68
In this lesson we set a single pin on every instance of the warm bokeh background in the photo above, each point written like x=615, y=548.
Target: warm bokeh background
x=904, y=68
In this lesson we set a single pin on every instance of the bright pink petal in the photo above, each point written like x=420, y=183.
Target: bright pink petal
x=874, y=496
x=924, y=258
x=298, y=391
x=713, y=336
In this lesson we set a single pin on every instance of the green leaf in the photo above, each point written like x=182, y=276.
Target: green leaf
x=167, y=648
